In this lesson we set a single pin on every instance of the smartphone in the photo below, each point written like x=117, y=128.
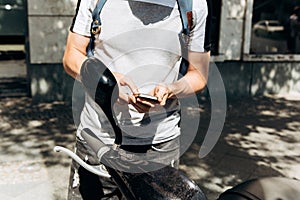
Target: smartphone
x=147, y=97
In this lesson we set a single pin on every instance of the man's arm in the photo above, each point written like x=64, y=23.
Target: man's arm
x=196, y=77
x=75, y=53
x=192, y=82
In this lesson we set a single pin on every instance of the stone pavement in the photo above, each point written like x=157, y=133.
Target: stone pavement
x=261, y=137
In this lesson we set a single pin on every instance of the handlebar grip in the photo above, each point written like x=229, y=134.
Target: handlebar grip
x=94, y=142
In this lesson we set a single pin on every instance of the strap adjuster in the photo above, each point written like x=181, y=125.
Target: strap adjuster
x=96, y=27
x=96, y=30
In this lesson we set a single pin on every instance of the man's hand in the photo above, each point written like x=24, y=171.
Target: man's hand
x=163, y=92
x=141, y=105
x=123, y=80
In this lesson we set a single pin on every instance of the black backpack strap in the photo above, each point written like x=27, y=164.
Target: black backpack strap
x=208, y=27
x=185, y=8
x=186, y=14
x=95, y=26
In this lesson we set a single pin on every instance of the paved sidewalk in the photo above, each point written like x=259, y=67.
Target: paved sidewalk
x=261, y=137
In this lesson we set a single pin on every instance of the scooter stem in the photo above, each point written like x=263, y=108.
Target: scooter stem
x=102, y=86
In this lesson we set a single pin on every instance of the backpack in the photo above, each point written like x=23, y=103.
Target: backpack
x=186, y=15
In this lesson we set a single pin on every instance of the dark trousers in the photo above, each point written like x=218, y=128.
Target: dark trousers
x=84, y=185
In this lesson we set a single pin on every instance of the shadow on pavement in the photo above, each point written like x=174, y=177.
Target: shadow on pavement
x=28, y=134
x=35, y=128
x=260, y=138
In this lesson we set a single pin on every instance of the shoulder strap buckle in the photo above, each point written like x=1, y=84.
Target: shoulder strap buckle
x=96, y=30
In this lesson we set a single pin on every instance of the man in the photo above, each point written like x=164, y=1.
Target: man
x=292, y=30
x=139, y=44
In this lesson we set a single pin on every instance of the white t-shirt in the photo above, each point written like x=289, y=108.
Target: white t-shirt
x=139, y=38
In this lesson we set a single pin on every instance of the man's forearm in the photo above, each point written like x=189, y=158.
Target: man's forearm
x=188, y=85
x=196, y=77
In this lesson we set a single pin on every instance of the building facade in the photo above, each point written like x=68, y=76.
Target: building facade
x=255, y=47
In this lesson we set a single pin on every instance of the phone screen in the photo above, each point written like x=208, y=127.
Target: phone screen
x=147, y=97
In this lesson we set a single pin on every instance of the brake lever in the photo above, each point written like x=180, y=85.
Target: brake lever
x=93, y=169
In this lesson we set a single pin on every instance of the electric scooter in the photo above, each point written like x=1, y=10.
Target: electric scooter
x=165, y=182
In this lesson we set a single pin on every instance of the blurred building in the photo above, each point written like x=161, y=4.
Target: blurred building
x=250, y=47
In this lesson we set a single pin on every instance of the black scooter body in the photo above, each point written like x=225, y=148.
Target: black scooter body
x=165, y=183
x=137, y=181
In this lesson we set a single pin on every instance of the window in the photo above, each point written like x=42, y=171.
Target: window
x=216, y=13
x=275, y=27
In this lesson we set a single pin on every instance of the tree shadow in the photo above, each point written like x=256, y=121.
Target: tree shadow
x=34, y=129
x=260, y=138
x=29, y=131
